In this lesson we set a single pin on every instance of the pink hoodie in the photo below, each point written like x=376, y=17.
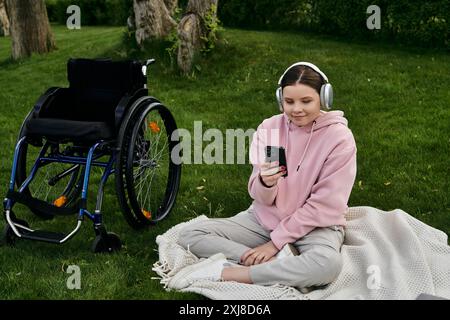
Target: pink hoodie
x=321, y=163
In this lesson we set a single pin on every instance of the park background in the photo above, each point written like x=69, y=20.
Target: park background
x=392, y=84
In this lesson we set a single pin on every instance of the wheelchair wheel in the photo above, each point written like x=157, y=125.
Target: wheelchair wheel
x=58, y=184
x=107, y=243
x=147, y=180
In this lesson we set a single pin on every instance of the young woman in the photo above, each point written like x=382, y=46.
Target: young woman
x=293, y=231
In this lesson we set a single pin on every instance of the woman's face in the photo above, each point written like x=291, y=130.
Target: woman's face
x=301, y=104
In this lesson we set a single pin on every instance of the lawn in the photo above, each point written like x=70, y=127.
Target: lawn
x=395, y=99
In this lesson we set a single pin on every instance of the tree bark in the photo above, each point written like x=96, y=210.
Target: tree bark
x=29, y=27
x=4, y=21
x=191, y=30
x=200, y=7
x=171, y=6
x=152, y=20
x=189, y=41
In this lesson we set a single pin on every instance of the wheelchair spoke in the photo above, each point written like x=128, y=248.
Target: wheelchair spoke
x=149, y=185
x=148, y=193
x=54, y=182
x=158, y=155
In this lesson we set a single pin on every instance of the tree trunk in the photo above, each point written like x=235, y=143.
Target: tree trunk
x=171, y=6
x=4, y=21
x=152, y=20
x=30, y=28
x=201, y=7
x=189, y=41
x=192, y=29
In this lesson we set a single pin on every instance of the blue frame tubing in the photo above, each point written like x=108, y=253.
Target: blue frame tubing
x=88, y=161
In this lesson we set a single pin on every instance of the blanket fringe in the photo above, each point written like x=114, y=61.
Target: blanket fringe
x=290, y=293
x=161, y=269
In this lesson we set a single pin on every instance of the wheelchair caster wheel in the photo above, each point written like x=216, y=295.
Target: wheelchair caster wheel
x=8, y=236
x=106, y=243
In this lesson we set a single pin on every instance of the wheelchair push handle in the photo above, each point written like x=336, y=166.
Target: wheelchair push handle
x=145, y=66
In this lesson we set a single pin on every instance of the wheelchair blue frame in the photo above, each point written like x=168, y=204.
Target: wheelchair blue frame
x=95, y=217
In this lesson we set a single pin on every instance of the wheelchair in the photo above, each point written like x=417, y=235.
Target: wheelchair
x=103, y=121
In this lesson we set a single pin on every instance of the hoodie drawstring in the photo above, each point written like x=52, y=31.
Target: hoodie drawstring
x=326, y=119
x=307, y=145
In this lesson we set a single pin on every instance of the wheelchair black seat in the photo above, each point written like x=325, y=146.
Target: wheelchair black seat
x=90, y=108
x=69, y=130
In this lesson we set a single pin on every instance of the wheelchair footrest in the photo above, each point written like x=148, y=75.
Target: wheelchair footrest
x=42, y=235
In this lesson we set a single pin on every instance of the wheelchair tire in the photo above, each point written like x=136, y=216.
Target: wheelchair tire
x=71, y=188
x=139, y=157
x=107, y=243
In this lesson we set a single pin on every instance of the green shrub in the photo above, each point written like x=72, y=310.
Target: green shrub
x=409, y=21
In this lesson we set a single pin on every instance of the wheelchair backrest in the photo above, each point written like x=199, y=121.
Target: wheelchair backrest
x=104, y=74
x=95, y=89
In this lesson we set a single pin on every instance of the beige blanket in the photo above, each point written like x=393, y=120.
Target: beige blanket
x=387, y=255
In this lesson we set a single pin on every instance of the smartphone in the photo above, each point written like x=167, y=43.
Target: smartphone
x=274, y=153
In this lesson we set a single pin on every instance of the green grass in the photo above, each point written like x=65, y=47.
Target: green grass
x=396, y=101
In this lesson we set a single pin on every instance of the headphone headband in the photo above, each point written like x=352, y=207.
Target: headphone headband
x=326, y=90
x=308, y=64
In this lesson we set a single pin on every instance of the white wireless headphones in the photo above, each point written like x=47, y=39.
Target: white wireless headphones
x=326, y=91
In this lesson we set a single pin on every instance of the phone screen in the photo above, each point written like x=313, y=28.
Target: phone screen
x=274, y=153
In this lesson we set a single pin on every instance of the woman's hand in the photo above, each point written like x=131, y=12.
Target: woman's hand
x=271, y=172
x=260, y=254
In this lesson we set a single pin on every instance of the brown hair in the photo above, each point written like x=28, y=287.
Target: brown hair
x=304, y=75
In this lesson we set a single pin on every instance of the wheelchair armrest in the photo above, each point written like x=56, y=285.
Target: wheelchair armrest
x=44, y=99
x=125, y=103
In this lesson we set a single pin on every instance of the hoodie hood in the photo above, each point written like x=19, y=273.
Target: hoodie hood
x=324, y=120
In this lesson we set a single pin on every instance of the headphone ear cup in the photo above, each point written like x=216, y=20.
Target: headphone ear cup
x=279, y=97
x=326, y=96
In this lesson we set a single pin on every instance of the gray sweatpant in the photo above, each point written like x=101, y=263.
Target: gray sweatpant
x=318, y=264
